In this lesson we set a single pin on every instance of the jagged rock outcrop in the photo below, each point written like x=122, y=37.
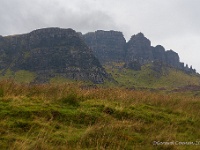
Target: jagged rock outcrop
x=159, y=53
x=189, y=70
x=168, y=57
x=54, y=52
x=106, y=45
x=172, y=58
x=109, y=46
x=139, y=48
x=50, y=52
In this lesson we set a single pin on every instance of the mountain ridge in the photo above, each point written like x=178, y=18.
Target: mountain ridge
x=137, y=49
x=50, y=52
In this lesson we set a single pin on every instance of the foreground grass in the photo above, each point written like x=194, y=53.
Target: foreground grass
x=74, y=116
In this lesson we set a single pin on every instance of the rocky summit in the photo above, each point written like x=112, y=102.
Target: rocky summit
x=49, y=53
x=138, y=48
x=110, y=46
x=106, y=45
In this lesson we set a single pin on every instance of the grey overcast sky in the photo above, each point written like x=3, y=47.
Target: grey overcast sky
x=174, y=24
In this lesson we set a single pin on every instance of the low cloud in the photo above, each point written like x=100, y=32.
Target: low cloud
x=171, y=23
x=22, y=16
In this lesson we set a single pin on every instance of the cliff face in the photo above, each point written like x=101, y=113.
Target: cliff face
x=172, y=58
x=139, y=48
x=159, y=53
x=50, y=52
x=109, y=46
x=106, y=45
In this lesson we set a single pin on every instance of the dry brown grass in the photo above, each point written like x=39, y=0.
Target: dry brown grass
x=73, y=116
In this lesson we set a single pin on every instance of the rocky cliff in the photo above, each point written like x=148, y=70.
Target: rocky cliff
x=172, y=58
x=139, y=48
x=159, y=53
x=106, y=45
x=109, y=46
x=50, y=52
x=53, y=52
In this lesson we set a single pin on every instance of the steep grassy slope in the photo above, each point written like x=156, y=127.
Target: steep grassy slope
x=75, y=116
x=147, y=77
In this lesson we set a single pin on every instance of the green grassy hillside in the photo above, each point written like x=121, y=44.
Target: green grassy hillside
x=21, y=76
x=78, y=117
x=147, y=77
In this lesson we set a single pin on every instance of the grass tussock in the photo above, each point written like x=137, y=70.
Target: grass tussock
x=72, y=116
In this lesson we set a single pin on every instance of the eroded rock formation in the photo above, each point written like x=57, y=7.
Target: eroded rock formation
x=106, y=45
x=110, y=46
x=50, y=52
